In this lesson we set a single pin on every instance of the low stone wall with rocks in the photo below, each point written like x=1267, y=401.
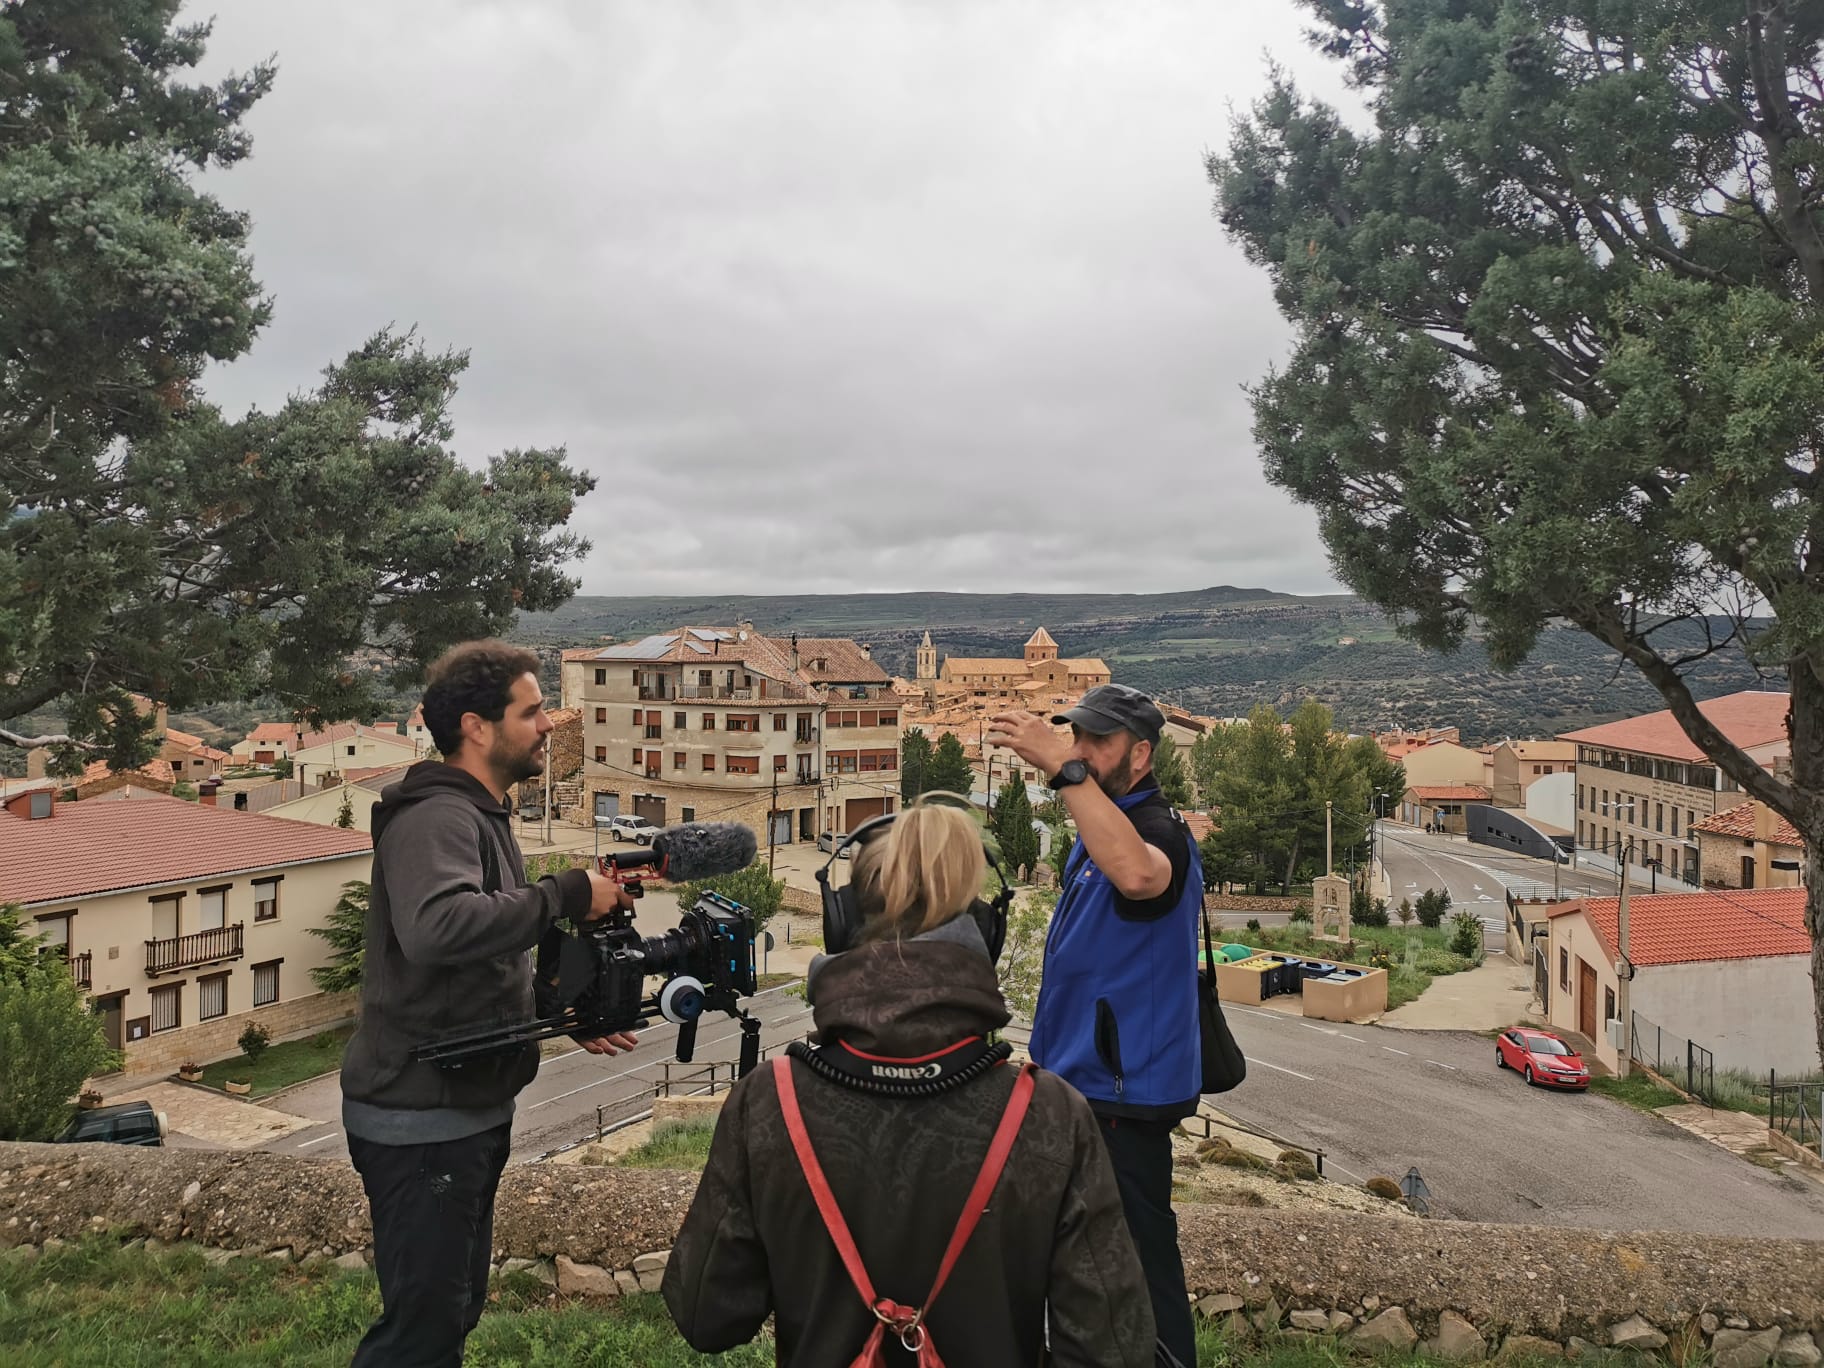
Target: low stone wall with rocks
x=1248, y=902
x=1463, y=1291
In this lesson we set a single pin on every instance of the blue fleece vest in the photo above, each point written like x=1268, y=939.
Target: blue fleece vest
x=1117, y=1014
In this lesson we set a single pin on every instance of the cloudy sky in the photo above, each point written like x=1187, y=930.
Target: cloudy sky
x=828, y=294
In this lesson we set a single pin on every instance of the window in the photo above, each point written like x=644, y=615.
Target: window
x=743, y=764
x=639, y=718
x=212, y=997
x=265, y=899
x=889, y=717
x=214, y=908
x=601, y=677
x=703, y=679
x=778, y=721
x=709, y=762
x=350, y=750
x=1564, y=968
x=709, y=721
x=167, y=917
x=680, y=720
x=1675, y=820
x=1608, y=1004
x=677, y=759
x=1580, y=802
x=601, y=716
x=639, y=756
x=687, y=815
x=266, y=983
x=1548, y=769
x=601, y=755
x=166, y=1015
x=1659, y=816
x=779, y=764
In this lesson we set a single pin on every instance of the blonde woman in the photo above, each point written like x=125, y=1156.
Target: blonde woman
x=898, y=1190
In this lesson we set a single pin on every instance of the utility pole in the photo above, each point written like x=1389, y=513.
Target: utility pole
x=1329, y=862
x=547, y=794
x=1624, y=968
x=772, y=824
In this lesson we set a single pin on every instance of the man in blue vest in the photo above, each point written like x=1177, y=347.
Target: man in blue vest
x=1117, y=1014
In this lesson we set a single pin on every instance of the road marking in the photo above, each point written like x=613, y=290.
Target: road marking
x=1330, y=1163
x=1294, y=1072
x=1321, y=1030
x=319, y=1140
x=1359, y=1040
x=1452, y=1067
x=1228, y=1007
x=1391, y=1050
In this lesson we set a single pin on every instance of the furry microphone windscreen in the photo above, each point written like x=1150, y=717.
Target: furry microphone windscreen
x=702, y=850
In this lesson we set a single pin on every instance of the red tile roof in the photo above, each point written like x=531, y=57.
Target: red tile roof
x=374, y=776
x=1749, y=719
x=97, y=847
x=1450, y=793
x=1739, y=821
x=1693, y=928
x=273, y=731
x=97, y=770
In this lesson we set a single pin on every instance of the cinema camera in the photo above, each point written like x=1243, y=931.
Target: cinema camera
x=592, y=981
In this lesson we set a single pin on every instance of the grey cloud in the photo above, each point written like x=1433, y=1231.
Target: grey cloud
x=828, y=295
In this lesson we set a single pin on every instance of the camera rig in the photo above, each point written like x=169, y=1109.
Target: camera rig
x=592, y=982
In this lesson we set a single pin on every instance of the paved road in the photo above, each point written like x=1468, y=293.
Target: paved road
x=1379, y=1102
x=1476, y=876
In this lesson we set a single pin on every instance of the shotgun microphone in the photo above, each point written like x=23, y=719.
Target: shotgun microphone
x=691, y=851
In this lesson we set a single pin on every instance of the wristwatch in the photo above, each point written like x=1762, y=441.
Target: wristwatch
x=1070, y=772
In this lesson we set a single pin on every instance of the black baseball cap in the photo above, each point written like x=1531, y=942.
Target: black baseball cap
x=1115, y=707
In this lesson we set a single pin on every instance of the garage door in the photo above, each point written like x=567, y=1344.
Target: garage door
x=607, y=805
x=782, y=828
x=858, y=810
x=650, y=807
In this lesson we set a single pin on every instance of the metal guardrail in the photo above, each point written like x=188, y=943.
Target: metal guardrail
x=1208, y=1122
x=1682, y=1062
x=1796, y=1110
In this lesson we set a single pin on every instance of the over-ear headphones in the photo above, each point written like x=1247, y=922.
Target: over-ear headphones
x=842, y=916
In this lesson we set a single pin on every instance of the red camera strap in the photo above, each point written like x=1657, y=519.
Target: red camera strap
x=906, y=1322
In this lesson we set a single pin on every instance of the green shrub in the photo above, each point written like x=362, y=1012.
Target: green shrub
x=1385, y=1188
x=1253, y=923
x=1441, y=962
x=1301, y=913
x=1431, y=907
x=253, y=1041
x=1466, y=935
x=1373, y=912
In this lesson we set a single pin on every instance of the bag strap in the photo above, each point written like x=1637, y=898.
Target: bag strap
x=906, y=1322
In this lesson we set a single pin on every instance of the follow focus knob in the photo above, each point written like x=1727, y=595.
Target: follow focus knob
x=681, y=1000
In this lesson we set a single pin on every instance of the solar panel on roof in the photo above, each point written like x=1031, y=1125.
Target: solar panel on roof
x=698, y=647
x=709, y=634
x=649, y=648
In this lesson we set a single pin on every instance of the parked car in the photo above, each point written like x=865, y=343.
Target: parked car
x=829, y=841
x=124, y=1123
x=630, y=828
x=1541, y=1058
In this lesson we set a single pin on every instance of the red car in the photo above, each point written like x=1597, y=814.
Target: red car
x=1541, y=1057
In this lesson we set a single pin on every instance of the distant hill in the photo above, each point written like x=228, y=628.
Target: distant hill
x=1219, y=651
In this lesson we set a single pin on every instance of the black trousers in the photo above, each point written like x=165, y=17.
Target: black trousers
x=433, y=1214
x=1142, y=1155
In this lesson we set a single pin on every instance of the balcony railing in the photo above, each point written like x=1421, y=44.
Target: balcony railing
x=651, y=693
x=715, y=691
x=82, y=968
x=185, y=952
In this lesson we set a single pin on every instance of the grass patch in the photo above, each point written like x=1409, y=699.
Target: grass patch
x=675, y=1147
x=280, y=1066
x=1637, y=1090
x=764, y=981
x=97, y=1305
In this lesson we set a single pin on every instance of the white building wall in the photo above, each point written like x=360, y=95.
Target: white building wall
x=1552, y=799
x=1754, y=1015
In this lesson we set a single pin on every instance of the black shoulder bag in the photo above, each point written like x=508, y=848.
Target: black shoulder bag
x=1224, y=1065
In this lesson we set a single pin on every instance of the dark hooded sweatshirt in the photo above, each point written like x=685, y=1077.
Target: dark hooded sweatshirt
x=753, y=1243
x=450, y=924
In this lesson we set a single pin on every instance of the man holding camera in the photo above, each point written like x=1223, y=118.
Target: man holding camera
x=451, y=921
x=1117, y=1014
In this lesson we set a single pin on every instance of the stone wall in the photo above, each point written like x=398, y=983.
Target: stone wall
x=217, y=1039
x=1247, y=902
x=1465, y=1290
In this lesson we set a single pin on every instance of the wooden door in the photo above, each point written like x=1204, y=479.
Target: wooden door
x=108, y=1009
x=1586, y=1000
x=1747, y=871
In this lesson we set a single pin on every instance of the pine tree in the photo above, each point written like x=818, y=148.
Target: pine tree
x=949, y=771
x=915, y=757
x=346, y=931
x=1172, y=773
x=1013, y=829
x=49, y=1039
